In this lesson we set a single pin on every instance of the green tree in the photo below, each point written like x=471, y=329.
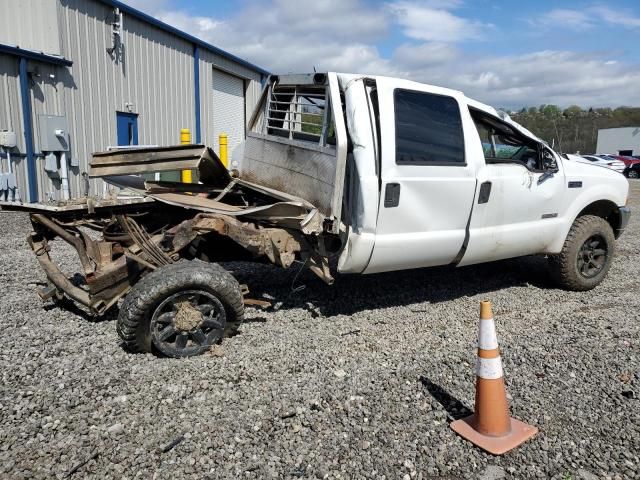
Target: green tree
x=575, y=129
x=572, y=111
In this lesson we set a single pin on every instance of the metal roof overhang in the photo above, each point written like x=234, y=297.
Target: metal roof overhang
x=33, y=55
x=179, y=33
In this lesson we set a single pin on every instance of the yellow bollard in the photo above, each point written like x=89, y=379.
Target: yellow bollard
x=223, y=149
x=185, y=139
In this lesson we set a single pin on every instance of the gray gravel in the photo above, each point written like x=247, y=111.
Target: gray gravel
x=358, y=380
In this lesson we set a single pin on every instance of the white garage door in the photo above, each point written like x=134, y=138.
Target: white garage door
x=228, y=109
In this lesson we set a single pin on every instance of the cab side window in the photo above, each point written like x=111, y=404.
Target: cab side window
x=503, y=144
x=428, y=129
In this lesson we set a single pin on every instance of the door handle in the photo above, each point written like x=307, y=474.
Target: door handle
x=392, y=195
x=485, y=192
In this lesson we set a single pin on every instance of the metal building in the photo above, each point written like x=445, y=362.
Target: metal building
x=78, y=76
x=619, y=141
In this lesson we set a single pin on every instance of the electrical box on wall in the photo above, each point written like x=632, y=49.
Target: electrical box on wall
x=54, y=133
x=8, y=139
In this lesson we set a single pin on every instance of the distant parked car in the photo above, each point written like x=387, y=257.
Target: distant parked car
x=606, y=156
x=617, y=165
x=632, y=169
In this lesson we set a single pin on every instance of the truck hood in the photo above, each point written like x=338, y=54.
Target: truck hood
x=575, y=167
x=595, y=177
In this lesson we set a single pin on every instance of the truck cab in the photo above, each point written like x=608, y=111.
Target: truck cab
x=426, y=176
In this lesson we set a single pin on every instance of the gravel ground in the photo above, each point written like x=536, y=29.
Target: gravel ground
x=358, y=380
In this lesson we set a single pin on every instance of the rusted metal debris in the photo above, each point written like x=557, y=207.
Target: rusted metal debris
x=220, y=218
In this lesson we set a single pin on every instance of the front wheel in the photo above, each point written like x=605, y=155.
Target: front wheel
x=181, y=310
x=586, y=255
x=633, y=173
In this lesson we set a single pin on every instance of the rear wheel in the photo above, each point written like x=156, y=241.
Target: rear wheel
x=181, y=310
x=586, y=255
x=632, y=173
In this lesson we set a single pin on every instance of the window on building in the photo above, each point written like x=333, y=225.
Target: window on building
x=428, y=129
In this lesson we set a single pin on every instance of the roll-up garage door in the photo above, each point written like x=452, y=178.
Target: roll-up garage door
x=228, y=109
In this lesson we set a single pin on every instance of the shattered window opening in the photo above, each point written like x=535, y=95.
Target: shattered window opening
x=503, y=144
x=298, y=112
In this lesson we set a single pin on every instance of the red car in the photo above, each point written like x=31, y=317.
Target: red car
x=633, y=166
x=628, y=160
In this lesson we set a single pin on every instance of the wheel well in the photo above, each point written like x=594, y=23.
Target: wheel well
x=605, y=209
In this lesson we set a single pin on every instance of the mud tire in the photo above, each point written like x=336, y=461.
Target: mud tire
x=565, y=267
x=137, y=310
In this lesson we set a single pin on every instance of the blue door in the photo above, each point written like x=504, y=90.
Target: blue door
x=127, y=128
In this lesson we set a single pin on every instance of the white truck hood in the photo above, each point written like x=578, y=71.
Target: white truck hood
x=597, y=177
x=577, y=167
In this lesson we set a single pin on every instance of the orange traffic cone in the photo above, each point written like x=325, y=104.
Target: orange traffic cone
x=490, y=427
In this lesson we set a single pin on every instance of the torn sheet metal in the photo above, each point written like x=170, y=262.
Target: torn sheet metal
x=161, y=159
x=89, y=205
x=289, y=214
x=280, y=212
x=362, y=192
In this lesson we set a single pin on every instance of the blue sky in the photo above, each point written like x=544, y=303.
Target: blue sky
x=506, y=53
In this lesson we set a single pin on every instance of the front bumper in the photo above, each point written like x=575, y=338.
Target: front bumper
x=625, y=214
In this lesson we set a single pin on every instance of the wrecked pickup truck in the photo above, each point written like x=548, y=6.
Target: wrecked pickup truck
x=377, y=173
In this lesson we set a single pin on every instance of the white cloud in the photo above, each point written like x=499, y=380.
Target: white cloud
x=557, y=77
x=432, y=21
x=588, y=18
x=621, y=17
x=148, y=6
x=566, y=18
x=343, y=35
x=288, y=36
x=425, y=54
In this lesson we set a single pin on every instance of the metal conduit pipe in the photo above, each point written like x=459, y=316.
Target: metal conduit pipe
x=64, y=175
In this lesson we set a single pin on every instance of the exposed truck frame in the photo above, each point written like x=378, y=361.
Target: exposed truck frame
x=314, y=180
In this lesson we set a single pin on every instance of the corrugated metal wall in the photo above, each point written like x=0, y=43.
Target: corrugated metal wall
x=47, y=91
x=40, y=33
x=47, y=98
x=254, y=89
x=153, y=77
x=11, y=115
x=10, y=107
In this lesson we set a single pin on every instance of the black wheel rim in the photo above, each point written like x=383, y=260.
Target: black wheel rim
x=187, y=323
x=592, y=256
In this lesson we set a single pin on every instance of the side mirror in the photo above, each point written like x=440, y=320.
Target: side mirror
x=549, y=162
x=545, y=176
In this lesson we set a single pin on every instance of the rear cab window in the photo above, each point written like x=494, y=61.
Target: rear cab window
x=428, y=129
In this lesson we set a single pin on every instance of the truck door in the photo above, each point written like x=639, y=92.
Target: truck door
x=427, y=183
x=519, y=204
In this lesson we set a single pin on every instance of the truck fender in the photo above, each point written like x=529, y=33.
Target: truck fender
x=596, y=200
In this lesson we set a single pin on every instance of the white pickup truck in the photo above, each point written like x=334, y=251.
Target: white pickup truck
x=382, y=173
